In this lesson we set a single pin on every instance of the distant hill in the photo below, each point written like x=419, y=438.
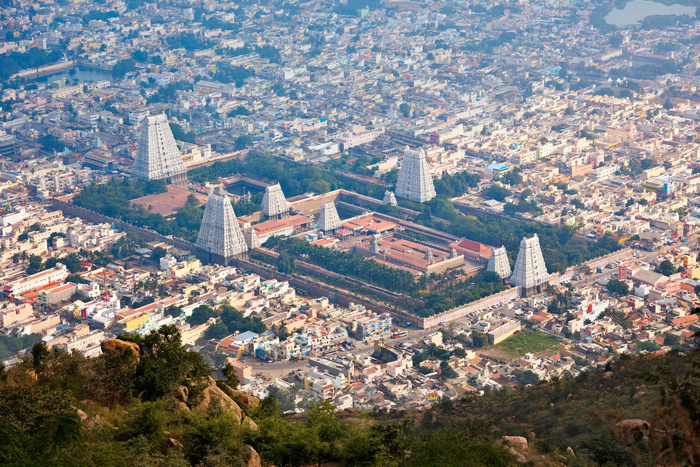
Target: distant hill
x=150, y=402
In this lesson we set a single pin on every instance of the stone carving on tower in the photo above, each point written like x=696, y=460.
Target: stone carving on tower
x=389, y=198
x=498, y=262
x=329, y=220
x=529, y=272
x=220, y=237
x=157, y=156
x=415, y=182
x=274, y=204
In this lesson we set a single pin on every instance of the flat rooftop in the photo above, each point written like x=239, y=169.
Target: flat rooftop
x=369, y=223
x=267, y=228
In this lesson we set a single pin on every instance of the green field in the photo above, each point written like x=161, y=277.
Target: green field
x=529, y=341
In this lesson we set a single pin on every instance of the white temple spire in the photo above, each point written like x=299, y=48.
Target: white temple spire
x=220, y=237
x=415, y=182
x=158, y=157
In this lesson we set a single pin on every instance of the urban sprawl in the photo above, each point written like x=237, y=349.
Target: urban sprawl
x=379, y=204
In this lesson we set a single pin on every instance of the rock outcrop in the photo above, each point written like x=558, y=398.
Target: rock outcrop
x=517, y=445
x=251, y=457
x=632, y=430
x=248, y=399
x=118, y=346
x=173, y=443
x=249, y=423
x=213, y=397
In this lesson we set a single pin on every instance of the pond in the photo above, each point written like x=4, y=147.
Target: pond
x=635, y=11
x=241, y=188
x=83, y=75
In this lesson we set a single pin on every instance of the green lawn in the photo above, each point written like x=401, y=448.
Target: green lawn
x=529, y=340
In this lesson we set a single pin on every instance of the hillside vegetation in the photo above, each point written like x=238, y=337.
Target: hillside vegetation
x=151, y=402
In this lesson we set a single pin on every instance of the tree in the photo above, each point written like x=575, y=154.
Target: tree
x=216, y=331
x=243, y=142
x=666, y=268
x=282, y=332
x=405, y=109
x=285, y=263
x=527, y=377
x=671, y=339
x=122, y=67
x=35, y=265
x=158, y=253
x=479, y=339
x=497, y=192
x=165, y=364
x=40, y=352
x=201, y=315
x=616, y=40
x=230, y=376
x=618, y=287
x=446, y=370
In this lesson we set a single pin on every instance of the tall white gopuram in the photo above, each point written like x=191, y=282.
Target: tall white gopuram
x=251, y=238
x=389, y=198
x=220, y=237
x=274, y=204
x=415, y=182
x=329, y=220
x=498, y=262
x=530, y=272
x=157, y=156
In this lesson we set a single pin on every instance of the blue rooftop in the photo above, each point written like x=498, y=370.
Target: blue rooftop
x=246, y=336
x=497, y=167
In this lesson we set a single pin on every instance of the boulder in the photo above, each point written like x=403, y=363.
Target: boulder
x=632, y=430
x=251, y=457
x=249, y=423
x=213, y=396
x=118, y=346
x=182, y=393
x=517, y=445
x=248, y=399
x=82, y=415
x=173, y=443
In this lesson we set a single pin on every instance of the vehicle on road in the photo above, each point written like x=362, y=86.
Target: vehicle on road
x=399, y=334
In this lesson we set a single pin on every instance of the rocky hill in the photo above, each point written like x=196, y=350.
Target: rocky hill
x=150, y=402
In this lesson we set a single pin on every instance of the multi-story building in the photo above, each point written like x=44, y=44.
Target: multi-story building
x=40, y=279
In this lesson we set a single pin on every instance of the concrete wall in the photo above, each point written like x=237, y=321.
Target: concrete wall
x=462, y=311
